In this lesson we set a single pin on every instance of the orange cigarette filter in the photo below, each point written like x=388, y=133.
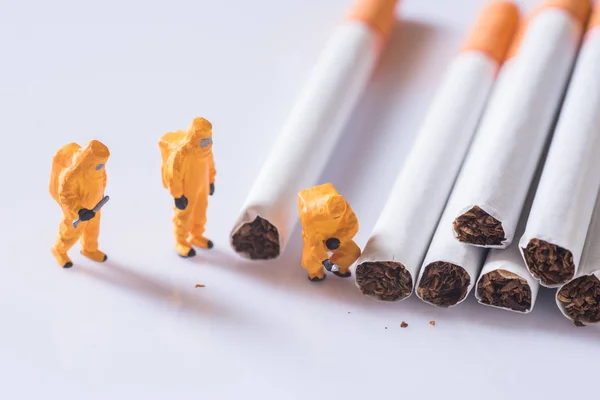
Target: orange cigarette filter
x=494, y=30
x=595, y=18
x=378, y=14
x=579, y=9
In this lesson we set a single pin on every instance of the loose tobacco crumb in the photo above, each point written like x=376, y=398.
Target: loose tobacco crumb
x=432, y=323
x=403, y=324
x=198, y=285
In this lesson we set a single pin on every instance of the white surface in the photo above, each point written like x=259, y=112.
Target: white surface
x=518, y=122
x=135, y=328
x=412, y=211
x=571, y=177
x=316, y=124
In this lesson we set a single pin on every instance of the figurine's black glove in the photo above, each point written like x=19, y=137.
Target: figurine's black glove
x=328, y=265
x=181, y=203
x=212, y=189
x=85, y=214
x=332, y=243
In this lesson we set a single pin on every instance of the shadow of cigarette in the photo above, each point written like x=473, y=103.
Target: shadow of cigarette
x=544, y=317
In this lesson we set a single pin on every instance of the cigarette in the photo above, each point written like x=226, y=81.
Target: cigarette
x=504, y=155
x=450, y=267
x=394, y=252
x=307, y=141
x=555, y=235
x=505, y=282
x=579, y=299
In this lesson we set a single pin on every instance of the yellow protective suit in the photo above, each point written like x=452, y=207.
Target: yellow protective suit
x=77, y=182
x=188, y=170
x=325, y=216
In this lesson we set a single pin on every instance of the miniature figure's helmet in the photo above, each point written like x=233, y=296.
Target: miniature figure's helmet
x=93, y=156
x=336, y=206
x=200, y=133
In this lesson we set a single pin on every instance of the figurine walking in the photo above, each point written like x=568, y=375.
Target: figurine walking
x=328, y=227
x=188, y=172
x=77, y=183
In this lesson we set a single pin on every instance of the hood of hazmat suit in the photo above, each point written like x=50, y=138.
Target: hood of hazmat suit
x=325, y=214
x=182, y=150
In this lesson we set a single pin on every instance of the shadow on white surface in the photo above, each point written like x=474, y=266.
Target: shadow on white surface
x=139, y=284
x=286, y=274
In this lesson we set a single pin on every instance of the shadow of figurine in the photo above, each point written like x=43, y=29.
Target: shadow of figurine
x=174, y=297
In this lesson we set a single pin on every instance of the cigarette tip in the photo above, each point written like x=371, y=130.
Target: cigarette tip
x=579, y=9
x=378, y=14
x=494, y=30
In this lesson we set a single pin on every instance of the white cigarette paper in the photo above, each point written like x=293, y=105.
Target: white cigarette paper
x=555, y=235
x=579, y=300
x=307, y=141
x=393, y=255
x=505, y=271
x=456, y=265
x=502, y=160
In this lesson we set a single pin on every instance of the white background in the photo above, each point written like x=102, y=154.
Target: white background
x=125, y=72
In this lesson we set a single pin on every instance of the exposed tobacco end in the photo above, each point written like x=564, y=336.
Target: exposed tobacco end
x=478, y=227
x=443, y=284
x=581, y=299
x=504, y=289
x=386, y=281
x=549, y=263
x=258, y=239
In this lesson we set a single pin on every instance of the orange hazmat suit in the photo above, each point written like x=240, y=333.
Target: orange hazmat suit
x=77, y=184
x=188, y=172
x=328, y=226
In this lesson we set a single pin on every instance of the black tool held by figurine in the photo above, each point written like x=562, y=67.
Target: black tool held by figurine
x=97, y=208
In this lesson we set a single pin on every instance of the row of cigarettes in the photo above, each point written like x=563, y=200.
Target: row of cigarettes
x=497, y=193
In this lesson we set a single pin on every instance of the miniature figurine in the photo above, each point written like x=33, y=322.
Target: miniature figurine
x=77, y=184
x=328, y=226
x=188, y=172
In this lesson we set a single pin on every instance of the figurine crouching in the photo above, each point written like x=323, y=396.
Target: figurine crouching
x=328, y=226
